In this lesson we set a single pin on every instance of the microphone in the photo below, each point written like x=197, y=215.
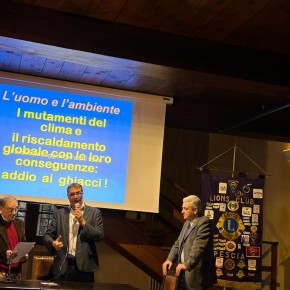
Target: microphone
x=77, y=206
x=8, y=279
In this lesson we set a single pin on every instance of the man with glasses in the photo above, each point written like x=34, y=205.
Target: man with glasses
x=12, y=231
x=71, y=238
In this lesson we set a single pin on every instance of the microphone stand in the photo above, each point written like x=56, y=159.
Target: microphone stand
x=8, y=278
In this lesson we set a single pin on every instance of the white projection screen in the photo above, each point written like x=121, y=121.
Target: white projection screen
x=54, y=133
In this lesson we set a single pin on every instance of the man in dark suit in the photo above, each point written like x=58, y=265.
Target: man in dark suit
x=193, y=249
x=12, y=231
x=71, y=238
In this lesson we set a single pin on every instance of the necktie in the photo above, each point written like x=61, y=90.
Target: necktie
x=186, y=232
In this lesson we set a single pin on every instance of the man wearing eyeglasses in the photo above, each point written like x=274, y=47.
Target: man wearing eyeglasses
x=12, y=231
x=71, y=238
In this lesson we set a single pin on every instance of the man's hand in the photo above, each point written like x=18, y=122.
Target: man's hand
x=179, y=268
x=9, y=253
x=166, y=266
x=57, y=243
x=79, y=216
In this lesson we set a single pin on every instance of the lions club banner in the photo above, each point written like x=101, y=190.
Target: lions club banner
x=235, y=208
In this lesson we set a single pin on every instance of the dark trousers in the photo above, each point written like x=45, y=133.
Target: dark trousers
x=73, y=273
x=182, y=283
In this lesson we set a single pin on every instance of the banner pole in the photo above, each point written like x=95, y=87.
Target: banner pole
x=234, y=160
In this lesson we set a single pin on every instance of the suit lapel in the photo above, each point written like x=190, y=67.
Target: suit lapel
x=186, y=231
x=194, y=224
x=3, y=231
x=86, y=213
x=66, y=224
x=17, y=225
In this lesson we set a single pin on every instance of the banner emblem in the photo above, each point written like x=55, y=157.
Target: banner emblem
x=230, y=225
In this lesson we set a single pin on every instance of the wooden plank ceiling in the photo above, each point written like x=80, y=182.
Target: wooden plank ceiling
x=225, y=63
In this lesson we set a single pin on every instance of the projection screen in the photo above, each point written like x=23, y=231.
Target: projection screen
x=54, y=133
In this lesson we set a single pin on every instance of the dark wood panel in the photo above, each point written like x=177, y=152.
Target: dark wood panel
x=263, y=28
x=201, y=53
x=106, y=10
x=202, y=15
x=229, y=18
x=68, y=31
x=227, y=21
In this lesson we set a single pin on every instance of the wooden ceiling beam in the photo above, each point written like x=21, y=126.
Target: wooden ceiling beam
x=66, y=30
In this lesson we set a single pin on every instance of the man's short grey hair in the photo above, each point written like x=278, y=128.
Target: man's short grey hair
x=74, y=185
x=194, y=202
x=4, y=200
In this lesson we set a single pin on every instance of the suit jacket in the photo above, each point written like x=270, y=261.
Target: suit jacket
x=198, y=254
x=86, y=252
x=20, y=229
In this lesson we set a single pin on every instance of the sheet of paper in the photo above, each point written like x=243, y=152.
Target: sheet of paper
x=22, y=249
x=49, y=284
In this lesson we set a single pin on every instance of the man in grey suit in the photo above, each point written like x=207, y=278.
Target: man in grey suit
x=193, y=249
x=72, y=236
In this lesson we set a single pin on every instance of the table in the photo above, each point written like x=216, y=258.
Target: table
x=62, y=285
